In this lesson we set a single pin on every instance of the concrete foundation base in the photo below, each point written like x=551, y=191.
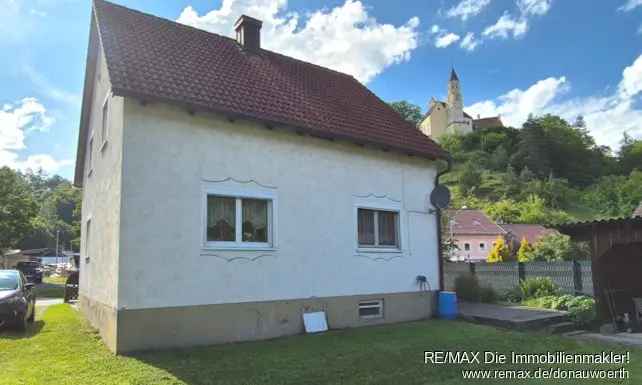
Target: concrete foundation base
x=158, y=328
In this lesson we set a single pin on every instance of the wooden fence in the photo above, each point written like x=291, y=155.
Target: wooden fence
x=571, y=277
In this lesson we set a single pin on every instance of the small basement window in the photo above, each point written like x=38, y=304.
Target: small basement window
x=371, y=309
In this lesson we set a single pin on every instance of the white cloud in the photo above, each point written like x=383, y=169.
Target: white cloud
x=443, y=38
x=345, y=38
x=469, y=42
x=446, y=40
x=630, y=5
x=534, y=7
x=607, y=116
x=16, y=122
x=467, y=8
x=505, y=26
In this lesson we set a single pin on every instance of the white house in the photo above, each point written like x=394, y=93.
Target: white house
x=229, y=189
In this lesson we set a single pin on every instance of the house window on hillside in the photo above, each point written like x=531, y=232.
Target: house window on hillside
x=238, y=222
x=482, y=246
x=467, y=246
x=378, y=228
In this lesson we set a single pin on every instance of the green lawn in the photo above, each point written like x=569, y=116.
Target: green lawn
x=55, y=280
x=61, y=349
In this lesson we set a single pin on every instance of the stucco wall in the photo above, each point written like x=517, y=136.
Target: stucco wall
x=101, y=199
x=169, y=155
x=476, y=253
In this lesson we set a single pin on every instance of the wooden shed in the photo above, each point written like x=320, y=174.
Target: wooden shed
x=616, y=248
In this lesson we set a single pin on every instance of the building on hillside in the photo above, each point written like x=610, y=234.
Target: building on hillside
x=515, y=233
x=449, y=117
x=473, y=233
x=638, y=212
x=228, y=189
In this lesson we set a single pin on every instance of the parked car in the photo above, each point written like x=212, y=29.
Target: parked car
x=17, y=300
x=31, y=270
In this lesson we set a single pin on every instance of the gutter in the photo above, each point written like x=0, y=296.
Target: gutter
x=449, y=166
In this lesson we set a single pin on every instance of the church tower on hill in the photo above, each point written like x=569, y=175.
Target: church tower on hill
x=449, y=117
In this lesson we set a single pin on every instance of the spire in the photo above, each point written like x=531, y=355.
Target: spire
x=453, y=74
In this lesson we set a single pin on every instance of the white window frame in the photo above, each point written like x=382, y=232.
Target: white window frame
x=105, y=121
x=88, y=226
x=379, y=204
x=376, y=230
x=371, y=304
x=90, y=155
x=482, y=246
x=240, y=193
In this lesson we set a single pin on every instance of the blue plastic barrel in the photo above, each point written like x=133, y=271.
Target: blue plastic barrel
x=447, y=305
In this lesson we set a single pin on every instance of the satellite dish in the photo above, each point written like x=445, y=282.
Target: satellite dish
x=440, y=197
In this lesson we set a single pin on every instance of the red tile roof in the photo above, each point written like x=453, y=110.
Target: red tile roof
x=532, y=233
x=492, y=122
x=472, y=222
x=160, y=60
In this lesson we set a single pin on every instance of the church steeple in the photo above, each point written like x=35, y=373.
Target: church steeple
x=453, y=74
x=455, y=99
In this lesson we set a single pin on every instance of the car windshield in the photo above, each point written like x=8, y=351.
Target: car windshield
x=8, y=280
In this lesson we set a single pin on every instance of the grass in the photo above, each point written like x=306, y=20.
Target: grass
x=61, y=349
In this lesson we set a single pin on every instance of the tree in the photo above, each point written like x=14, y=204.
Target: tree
x=630, y=156
x=553, y=247
x=503, y=211
x=525, y=250
x=500, y=251
x=17, y=208
x=470, y=178
x=408, y=111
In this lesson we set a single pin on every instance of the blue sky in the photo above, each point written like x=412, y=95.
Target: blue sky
x=514, y=57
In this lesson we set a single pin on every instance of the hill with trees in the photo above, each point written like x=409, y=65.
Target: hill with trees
x=546, y=172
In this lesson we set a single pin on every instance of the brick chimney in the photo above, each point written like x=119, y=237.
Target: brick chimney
x=248, y=32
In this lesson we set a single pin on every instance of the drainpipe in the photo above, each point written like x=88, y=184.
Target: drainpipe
x=449, y=166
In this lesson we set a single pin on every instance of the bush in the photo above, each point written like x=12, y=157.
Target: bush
x=537, y=287
x=582, y=310
x=513, y=295
x=468, y=288
x=487, y=295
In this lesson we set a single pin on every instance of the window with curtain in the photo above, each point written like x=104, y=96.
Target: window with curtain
x=238, y=220
x=378, y=228
x=255, y=220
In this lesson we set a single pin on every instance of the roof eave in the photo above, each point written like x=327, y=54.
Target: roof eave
x=292, y=126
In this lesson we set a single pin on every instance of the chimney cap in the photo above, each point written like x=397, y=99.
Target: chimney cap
x=247, y=20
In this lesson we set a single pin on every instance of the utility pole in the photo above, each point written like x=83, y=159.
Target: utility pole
x=57, y=238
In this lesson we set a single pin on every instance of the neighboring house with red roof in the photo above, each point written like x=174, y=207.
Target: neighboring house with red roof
x=473, y=233
x=226, y=188
x=515, y=233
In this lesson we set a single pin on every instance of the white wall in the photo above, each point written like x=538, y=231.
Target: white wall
x=168, y=155
x=101, y=198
